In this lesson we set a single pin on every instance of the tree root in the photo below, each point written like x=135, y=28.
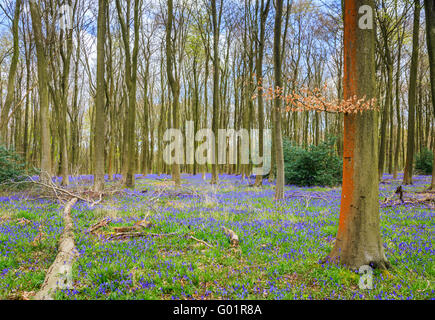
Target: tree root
x=335, y=259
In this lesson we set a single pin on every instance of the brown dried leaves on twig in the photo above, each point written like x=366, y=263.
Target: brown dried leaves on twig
x=318, y=99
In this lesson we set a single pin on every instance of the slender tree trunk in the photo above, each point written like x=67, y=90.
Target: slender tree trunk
x=277, y=61
x=216, y=71
x=63, y=108
x=131, y=83
x=28, y=98
x=11, y=79
x=175, y=87
x=430, y=39
x=384, y=122
x=397, y=98
x=45, y=141
x=196, y=108
x=390, y=106
x=412, y=95
x=100, y=117
x=264, y=11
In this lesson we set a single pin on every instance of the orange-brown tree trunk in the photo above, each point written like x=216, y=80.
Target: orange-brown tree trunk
x=358, y=239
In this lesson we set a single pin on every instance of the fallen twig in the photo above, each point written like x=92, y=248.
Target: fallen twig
x=126, y=235
x=201, y=241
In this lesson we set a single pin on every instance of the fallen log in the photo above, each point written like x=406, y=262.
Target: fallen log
x=232, y=236
x=144, y=224
x=138, y=226
x=59, y=274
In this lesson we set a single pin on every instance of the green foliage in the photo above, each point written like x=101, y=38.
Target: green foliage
x=317, y=166
x=12, y=166
x=424, y=162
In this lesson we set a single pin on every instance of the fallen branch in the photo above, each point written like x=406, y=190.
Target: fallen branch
x=307, y=202
x=200, y=241
x=412, y=201
x=57, y=189
x=144, y=224
x=127, y=235
x=315, y=196
x=138, y=226
x=64, y=195
x=59, y=274
x=99, y=225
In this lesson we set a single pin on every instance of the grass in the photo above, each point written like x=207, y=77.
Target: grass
x=24, y=255
x=278, y=257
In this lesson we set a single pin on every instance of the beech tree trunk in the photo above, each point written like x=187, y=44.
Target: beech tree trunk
x=397, y=97
x=429, y=6
x=129, y=165
x=279, y=155
x=59, y=274
x=100, y=117
x=264, y=11
x=45, y=142
x=11, y=78
x=216, y=72
x=358, y=239
x=175, y=86
x=412, y=96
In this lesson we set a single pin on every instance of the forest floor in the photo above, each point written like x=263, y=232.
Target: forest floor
x=185, y=254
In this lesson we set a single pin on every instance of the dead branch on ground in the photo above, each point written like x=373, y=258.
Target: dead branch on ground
x=232, y=236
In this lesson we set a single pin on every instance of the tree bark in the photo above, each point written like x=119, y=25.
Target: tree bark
x=358, y=239
x=11, y=79
x=279, y=155
x=412, y=95
x=131, y=83
x=45, y=141
x=264, y=11
x=175, y=86
x=100, y=99
x=397, y=98
x=430, y=39
x=216, y=71
x=60, y=272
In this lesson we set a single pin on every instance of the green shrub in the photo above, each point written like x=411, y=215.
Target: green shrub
x=424, y=162
x=317, y=166
x=12, y=166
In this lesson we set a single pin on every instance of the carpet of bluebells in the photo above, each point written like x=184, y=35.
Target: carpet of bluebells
x=281, y=244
